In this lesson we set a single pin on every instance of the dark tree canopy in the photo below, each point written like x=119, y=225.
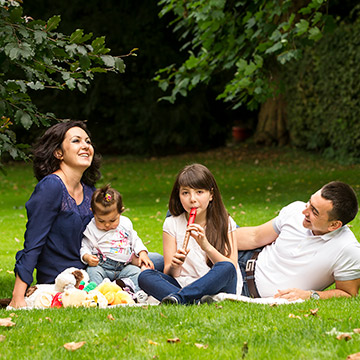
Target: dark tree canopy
x=35, y=56
x=243, y=38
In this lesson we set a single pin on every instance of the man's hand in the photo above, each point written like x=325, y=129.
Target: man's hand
x=293, y=294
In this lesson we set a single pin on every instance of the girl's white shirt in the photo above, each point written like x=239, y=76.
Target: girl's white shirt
x=195, y=265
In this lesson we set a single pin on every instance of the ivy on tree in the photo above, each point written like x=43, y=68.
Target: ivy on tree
x=35, y=56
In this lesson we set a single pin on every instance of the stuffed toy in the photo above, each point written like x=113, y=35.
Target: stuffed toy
x=114, y=294
x=39, y=296
x=50, y=295
x=95, y=298
x=90, y=286
x=72, y=288
x=70, y=278
x=73, y=298
x=77, y=298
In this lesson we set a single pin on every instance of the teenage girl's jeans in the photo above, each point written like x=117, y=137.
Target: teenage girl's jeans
x=221, y=278
x=158, y=260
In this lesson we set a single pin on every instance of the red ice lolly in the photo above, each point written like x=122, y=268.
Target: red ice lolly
x=190, y=221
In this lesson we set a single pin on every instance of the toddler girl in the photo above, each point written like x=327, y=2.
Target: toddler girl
x=209, y=264
x=110, y=246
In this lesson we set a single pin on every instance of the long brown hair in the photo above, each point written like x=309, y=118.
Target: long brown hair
x=197, y=176
x=46, y=163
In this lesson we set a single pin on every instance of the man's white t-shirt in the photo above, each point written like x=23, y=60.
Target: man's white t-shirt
x=299, y=259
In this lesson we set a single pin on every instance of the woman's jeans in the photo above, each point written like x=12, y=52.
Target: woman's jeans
x=221, y=278
x=115, y=270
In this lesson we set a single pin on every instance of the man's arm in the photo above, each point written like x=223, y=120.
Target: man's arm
x=252, y=237
x=343, y=289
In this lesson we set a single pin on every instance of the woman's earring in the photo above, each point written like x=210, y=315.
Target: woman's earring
x=58, y=155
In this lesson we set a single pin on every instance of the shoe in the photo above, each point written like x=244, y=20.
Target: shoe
x=141, y=296
x=126, y=283
x=207, y=299
x=170, y=300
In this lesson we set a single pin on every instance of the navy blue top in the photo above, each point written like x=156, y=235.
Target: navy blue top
x=53, y=232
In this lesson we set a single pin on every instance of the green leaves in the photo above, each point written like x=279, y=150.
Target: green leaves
x=78, y=37
x=108, y=60
x=16, y=13
x=231, y=37
x=315, y=34
x=302, y=27
x=53, y=23
x=43, y=58
x=120, y=65
x=24, y=119
x=85, y=62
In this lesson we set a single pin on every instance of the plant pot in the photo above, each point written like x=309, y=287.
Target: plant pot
x=239, y=133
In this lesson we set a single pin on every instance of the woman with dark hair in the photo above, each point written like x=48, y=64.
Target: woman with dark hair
x=59, y=208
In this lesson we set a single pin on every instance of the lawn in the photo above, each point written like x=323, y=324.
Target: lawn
x=255, y=184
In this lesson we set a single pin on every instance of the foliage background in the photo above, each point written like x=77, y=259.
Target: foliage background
x=123, y=111
x=322, y=93
x=126, y=118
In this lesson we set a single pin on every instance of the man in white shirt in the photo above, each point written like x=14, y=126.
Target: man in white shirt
x=305, y=249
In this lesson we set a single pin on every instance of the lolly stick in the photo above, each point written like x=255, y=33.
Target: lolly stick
x=190, y=221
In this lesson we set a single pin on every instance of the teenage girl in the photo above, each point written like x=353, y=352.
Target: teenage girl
x=209, y=264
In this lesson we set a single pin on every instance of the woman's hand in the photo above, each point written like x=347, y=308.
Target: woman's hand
x=18, y=303
x=18, y=299
x=293, y=294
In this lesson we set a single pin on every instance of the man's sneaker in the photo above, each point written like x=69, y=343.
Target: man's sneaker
x=141, y=296
x=170, y=300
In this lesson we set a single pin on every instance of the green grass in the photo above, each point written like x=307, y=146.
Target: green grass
x=255, y=184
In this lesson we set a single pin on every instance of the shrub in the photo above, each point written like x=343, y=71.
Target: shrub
x=322, y=93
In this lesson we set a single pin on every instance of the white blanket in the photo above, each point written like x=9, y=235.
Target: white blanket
x=216, y=298
x=268, y=300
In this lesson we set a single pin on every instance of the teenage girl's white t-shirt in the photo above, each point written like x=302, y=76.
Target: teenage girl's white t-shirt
x=195, y=265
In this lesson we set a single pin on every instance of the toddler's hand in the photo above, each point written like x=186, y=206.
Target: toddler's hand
x=92, y=260
x=144, y=261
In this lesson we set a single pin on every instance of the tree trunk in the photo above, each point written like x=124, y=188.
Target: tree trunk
x=272, y=118
x=271, y=128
